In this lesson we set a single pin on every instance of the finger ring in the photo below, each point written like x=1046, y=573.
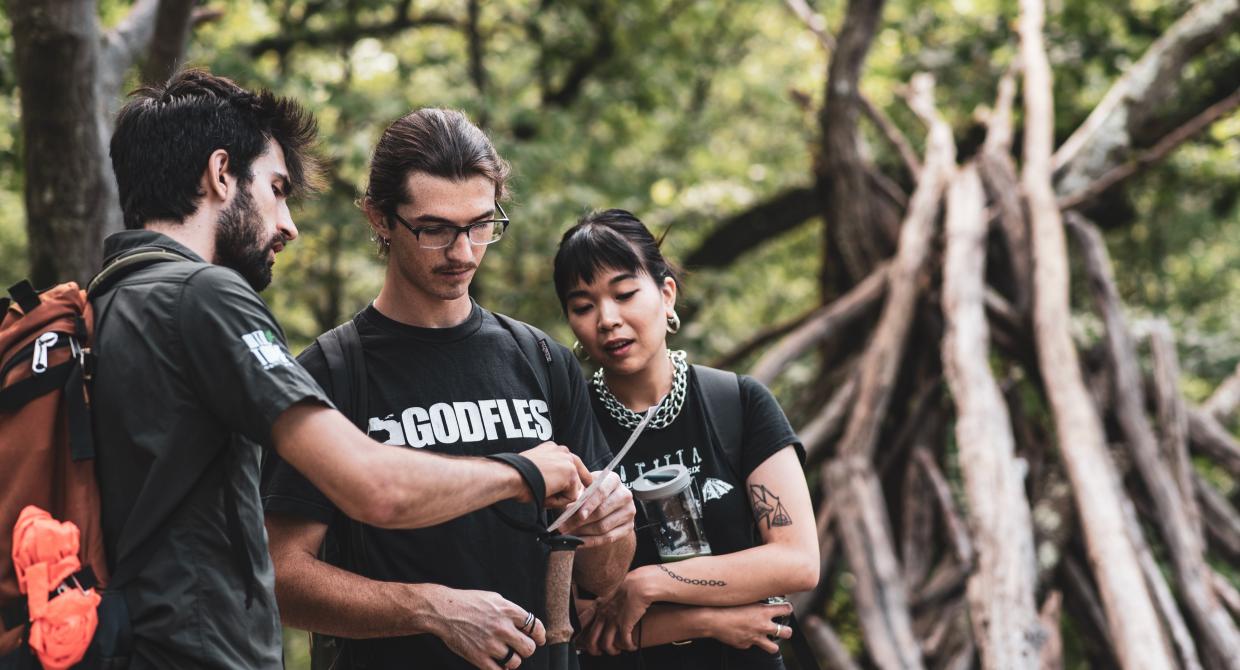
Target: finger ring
x=529, y=622
x=504, y=661
x=779, y=628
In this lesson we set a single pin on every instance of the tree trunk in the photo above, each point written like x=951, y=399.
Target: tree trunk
x=1131, y=618
x=1004, y=612
x=57, y=41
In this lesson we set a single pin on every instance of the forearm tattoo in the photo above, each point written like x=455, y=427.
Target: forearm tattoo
x=693, y=582
x=766, y=507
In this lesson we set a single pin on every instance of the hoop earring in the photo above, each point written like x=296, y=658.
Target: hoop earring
x=673, y=323
x=579, y=352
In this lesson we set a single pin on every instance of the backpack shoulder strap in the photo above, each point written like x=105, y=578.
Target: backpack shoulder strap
x=129, y=262
x=346, y=368
x=721, y=396
x=533, y=345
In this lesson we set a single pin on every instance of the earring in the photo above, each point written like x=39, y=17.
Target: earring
x=386, y=242
x=673, y=323
x=580, y=352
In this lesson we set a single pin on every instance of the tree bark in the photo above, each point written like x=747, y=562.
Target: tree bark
x=1105, y=139
x=1165, y=601
x=1052, y=650
x=1001, y=590
x=1173, y=419
x=1223, y=402
x=828, y=320
x=1221, y=519
x=1179, y=528
x=883, y=355
x=1131, y=618
x=171, y=37
x=880, y=594
x=827, y=645
x=998, y=172
x=1213, y=441
x=849, y=203
x=56, y=52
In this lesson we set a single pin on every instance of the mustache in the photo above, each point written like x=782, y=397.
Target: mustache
x=455, y=267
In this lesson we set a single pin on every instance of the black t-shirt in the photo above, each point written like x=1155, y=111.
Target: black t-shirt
x=466, y=390
x=720, y=484
x=190, y=362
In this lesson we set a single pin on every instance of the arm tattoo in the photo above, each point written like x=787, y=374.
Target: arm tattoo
x=766, y=507
x=693, y=582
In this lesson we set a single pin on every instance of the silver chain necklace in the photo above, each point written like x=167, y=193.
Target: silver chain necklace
x=668, y=410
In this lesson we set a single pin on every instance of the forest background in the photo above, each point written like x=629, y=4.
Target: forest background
x=713, y=121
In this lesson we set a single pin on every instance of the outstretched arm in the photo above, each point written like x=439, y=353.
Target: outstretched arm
x=392, y=487
x=478, y=626
x=606, y=525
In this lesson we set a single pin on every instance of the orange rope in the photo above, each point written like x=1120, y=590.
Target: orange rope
x=44, y=556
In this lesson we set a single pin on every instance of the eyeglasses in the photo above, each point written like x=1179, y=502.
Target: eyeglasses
x=479, y=233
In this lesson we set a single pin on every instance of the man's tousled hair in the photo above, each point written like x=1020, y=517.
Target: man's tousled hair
x=439, y=142
x=165, y=135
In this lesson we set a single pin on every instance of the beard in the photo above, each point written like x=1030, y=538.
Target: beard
x=238, y=241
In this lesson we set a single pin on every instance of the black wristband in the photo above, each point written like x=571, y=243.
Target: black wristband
x=529, y=472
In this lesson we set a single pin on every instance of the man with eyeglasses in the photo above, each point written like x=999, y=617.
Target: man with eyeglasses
x=441, y=374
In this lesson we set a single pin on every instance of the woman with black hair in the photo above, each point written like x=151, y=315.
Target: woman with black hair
x=708, y=611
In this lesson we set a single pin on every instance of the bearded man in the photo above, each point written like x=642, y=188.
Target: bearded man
x=193, y=373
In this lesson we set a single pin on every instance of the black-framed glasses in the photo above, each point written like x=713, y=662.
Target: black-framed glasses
x=439, y=236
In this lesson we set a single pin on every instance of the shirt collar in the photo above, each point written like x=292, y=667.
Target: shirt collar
x=126, y=240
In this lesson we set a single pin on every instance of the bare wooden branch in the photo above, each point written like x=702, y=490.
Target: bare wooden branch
x=1167, y=609
x=1173, y=419
x=1212, y=440
x=882, y=356
x=946, y=582
x=957, y=531
x=1001, y=591
x=762, y=338
x=829, y=422
x=1105, y=138
x=880, y=593
x=998, y=172
x=1223, y=402
x=1083, y=590
x=826, y=321
x=1179, y=529
x=1226, y=592
x=1133, y=624
x=827, y=645
x=168, y=40
x=1222, y=521
x=917, y=547
x=124, y=44
x=1052, y=650
x=1152, y=155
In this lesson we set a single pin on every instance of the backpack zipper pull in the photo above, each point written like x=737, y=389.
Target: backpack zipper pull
x=38, y=361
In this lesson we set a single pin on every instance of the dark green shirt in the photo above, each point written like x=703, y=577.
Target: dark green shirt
x=190, y=360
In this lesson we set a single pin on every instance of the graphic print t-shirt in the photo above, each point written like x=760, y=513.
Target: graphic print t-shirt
x=728, y=521
x=469, y=391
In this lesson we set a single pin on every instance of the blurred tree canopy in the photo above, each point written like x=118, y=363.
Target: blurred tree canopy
x=687, y=113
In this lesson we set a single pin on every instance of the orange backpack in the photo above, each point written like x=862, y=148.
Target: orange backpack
x=47, y=456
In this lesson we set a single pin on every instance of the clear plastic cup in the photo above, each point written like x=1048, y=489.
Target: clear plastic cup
x=673, y=512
